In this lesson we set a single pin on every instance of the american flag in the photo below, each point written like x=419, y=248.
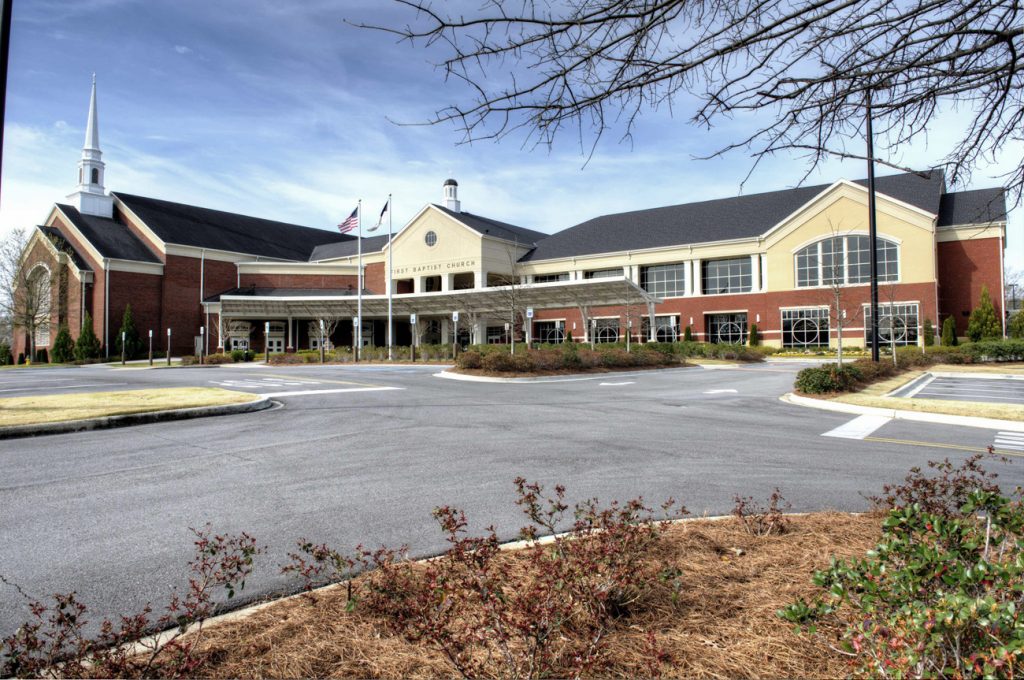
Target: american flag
x=351, y=222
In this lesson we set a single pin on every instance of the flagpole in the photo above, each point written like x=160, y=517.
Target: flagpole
x=359, y=283
x=391, y=284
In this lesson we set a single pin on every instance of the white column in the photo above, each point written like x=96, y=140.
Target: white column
x=695, y=287
x=755, y=273
x=446, y=282
x=764, y=271
x=480, y=279
x=291, y=344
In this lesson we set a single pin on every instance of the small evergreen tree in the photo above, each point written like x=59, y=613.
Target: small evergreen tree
x=687, y=335
x=949, y=332
x=88, y=345
x=1015, y=329
x=132, y=343
x=929, y=333
x=568, y=336
x=755, y=335
x=6, y=359
x=984, y=324
x=63, y=346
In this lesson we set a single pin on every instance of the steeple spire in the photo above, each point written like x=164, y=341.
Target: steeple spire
x=92, y=127
x=90, y=197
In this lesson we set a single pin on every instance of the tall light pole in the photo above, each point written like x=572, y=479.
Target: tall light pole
x=872, y=234
x=5, y=49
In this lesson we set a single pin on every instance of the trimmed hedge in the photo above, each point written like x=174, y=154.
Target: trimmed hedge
x=562, y=357
x=860, y=373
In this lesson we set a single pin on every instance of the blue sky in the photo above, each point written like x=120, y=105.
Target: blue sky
x=280, y=109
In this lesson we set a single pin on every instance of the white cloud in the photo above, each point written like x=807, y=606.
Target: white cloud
x=182, y=49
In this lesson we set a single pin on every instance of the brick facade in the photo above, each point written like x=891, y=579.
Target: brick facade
x=964, y=267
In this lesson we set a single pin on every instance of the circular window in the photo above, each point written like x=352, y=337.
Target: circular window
x=430, y=239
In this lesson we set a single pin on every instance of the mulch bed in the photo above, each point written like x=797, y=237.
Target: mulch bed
x=723, y=626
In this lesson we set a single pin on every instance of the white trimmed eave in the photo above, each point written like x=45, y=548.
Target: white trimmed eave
x=612, y=291
x=134, y=266
x=688, y=248
x=220, y=255
x=84, y=275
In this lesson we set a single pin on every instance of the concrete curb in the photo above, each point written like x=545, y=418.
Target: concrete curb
x=568, y=377
x=17, y=431
x=918, y=416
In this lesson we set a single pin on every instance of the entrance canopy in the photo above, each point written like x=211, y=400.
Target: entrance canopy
x=497, y=300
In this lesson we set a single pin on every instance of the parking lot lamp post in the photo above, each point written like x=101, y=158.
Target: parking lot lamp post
x=266, y=341
x=321, y=341
x=150, y=346
x=122, y=347
x=412, y=345
x=872, y=235
x=629, y=332
x=168, y=346
x=202, y=337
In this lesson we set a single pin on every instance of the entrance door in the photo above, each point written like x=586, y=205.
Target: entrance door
x=275, y=344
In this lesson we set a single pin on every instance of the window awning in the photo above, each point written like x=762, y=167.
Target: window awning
x=497, y=300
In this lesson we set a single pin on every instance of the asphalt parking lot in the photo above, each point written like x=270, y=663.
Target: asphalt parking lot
x=362, y=454
x=994, y=390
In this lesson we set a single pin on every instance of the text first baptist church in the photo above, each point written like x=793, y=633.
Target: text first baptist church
x=717, y=266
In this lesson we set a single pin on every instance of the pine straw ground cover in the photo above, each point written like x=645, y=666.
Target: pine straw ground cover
x=722, y=624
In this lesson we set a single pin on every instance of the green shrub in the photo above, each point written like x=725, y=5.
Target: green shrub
x=5, y=354
x=754, y=338
x=469, y=359
x=983, y=323
x=929, y=333
x=132, y=342
x=1015, y=329
x=88, y=345
x=63, y=346
x=237, y=355
x=216, y=359
x=687, y=334
x=937, y=597
x=949, y=338
x=498, y=362
x=995, y=350
x=826, y=379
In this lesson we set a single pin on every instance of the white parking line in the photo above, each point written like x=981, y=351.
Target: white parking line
x=858, y=428
x=628, y=382
x=721, y=392
x=1010, y=440
x=300, y=393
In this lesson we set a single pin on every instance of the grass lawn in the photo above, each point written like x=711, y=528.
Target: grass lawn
x=723, y=624
x=11, y=367
x=874, y=395
x=61, y=407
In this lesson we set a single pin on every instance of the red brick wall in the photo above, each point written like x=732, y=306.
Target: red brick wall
x=374, y=280
x=336, y=282
x=142, y=291
x=964, y=267
x=181, y=310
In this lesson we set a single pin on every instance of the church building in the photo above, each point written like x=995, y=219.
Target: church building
x=792, y=262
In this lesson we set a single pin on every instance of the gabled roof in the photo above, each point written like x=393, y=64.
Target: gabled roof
x=330, y=251
x=63, y=245
x=110, y=238
x=721, y=219
x=972, y=207
x=189, y=225
x=489, y=227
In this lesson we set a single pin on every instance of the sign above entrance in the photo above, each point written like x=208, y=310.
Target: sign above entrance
x=457, y=265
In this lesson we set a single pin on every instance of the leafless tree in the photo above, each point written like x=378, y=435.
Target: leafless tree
x=510, y=287
x=833, y=271
x=28, y=291
x=805, y=68
x=1013, y=287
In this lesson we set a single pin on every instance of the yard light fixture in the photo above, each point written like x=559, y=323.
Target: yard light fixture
x=202, y=336
x=266, y=340
x=123, y=334
x=150, y=346
x=872, y=232
x=168, y=346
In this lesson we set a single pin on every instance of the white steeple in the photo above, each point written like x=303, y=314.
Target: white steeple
x=90, y=197
x=451, y=195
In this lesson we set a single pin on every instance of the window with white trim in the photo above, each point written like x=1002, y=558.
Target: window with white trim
x=805, y=328
x=733, y=275
x=603, y=273
x=666, y=328
x=548, y=278
x=552, y=332
x=897, y=324
x=845, y=260
x=607, y=330
x=664, y=280
x=727, y=329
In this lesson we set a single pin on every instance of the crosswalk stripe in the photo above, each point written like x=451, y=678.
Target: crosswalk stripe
x=858, y=428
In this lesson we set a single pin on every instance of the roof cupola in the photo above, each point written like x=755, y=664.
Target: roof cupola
x=451, y=195
x=90, y=197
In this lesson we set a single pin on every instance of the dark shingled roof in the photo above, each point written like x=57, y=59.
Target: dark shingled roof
x=112, y=239
x=286, y=292
x=489, y=227
x=972, y=207
x=716, y=220
x=330, y=251
x=189, y=225
x=62, y=244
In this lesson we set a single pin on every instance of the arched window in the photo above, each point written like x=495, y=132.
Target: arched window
x=845, y=260
x=95, y=175
x=36, y=304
